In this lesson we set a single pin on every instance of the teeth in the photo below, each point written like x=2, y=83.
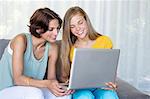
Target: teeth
x=80, y=32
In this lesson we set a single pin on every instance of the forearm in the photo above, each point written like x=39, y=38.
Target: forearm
x=28, y=81
x=40, y=83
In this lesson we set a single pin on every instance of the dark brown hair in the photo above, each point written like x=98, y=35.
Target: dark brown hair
x=40, y=20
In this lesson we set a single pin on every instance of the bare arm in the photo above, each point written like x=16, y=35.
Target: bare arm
x=18, y=46
x=53, y=55
x=55, y=86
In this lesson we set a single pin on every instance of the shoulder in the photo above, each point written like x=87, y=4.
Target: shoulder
x=104, y=38
x=19, y=40
x=105, y=41
x=53, y=48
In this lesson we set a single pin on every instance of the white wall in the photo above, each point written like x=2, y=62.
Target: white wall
x=127, y=22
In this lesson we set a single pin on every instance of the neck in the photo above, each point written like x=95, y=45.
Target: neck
x=38, y=42
x=84, y=40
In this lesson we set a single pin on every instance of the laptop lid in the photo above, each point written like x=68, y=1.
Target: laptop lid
x=92, y=68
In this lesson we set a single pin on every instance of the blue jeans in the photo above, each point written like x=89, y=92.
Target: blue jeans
x=95, y=94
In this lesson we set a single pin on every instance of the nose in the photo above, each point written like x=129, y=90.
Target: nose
x=55, y=32
x=77, y=28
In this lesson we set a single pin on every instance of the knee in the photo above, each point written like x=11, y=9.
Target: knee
x=34, y=93
x=23, y=92
x=49, y=95
x=106, y=94
x=83, y=94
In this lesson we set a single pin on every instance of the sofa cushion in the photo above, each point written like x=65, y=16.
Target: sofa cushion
x=127, y=91
x=3, y=44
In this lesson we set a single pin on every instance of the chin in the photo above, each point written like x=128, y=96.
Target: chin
x=82, y=36
x=52, y=41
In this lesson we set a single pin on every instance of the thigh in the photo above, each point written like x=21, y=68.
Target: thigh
x=83, y=94
x=21, y=92
x=48, y=95
x=105, y=94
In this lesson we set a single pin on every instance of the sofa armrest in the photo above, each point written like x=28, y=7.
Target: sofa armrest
x=127, y=91
x=3, y=44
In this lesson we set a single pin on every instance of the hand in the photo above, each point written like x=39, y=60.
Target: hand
x=68, y=92
x=111, y=86
x=64, y=86
x=55, y=88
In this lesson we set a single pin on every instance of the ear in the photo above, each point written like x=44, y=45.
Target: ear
x=39, y=31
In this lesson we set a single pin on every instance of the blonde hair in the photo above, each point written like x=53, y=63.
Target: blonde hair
x=68, y=39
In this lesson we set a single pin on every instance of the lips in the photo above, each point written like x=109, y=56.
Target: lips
x=54, y=38
x=79, y=33
x=51, y=38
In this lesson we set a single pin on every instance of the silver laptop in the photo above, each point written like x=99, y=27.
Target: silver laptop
x=92, y=68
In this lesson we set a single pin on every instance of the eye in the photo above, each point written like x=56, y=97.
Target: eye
x=51, y=29
x=81, y=22
x=71, y=26
x=58, y=28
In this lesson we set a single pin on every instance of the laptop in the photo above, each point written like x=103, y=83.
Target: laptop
x=92, y=68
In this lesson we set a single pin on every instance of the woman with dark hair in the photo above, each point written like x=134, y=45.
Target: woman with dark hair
x=24, y=62
x=79, y=33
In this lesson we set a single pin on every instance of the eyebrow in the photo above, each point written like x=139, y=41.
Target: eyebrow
x=55, y=27
x=80, y=19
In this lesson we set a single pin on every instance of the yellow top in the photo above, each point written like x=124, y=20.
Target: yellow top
x=103, y=42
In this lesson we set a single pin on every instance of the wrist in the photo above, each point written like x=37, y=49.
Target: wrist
x=47, y=83
x=28, y=81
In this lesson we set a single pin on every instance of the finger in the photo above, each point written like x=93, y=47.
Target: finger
x=67, y=81
x=58, y=85
x=61, y=94
x=108, y=86
x=72, y=91
x=67, y=92
x=63, y=84
x=60, y=89
x=111, y=85
x=56, y=93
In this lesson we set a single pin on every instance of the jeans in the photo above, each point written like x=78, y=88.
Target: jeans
x=95, y=94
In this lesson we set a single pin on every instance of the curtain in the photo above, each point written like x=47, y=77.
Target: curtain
x=126, y=22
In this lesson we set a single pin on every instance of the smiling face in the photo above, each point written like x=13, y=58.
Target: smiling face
x=51, y=34
x=78, y=26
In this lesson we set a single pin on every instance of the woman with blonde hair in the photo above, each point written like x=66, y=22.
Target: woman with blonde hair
x=78, y=32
